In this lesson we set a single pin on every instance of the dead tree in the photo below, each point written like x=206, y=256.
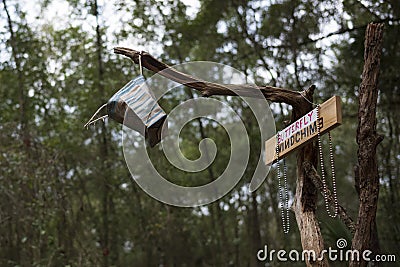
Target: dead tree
x=366, y=171
x=306, y=192
x=307, y=181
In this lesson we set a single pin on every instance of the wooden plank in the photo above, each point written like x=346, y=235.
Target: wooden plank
x=304, y=129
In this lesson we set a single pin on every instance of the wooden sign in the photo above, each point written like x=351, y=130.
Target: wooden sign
x=304, y=129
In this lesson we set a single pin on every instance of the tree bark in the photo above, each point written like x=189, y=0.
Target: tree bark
x=367, y=178
x=306, y=197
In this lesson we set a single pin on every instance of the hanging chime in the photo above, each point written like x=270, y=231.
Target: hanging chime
x=318, y=121
x=135, y=107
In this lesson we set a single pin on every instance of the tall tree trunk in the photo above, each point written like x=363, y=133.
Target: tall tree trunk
x=237, y=237
x=105, y=169
x=366, y=172
x=255, y=230
x=16, y=248
x=217, y=222
x=305, y=207
x=24, y=132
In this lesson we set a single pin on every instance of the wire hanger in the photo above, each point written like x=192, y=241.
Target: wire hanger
x=140, y=63
x=312, y=103
x=92, y=120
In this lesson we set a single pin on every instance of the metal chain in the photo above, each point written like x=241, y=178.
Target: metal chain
x=324, y=183
x=284, y=200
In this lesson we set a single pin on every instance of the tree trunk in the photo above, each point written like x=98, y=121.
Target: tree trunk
x=255, y=230
x=366, y=172
x=104, y=149
x=24, y=132
x=306, y=200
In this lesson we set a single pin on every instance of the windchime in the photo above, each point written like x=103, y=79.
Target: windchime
x=135, y=107
x=318, y=121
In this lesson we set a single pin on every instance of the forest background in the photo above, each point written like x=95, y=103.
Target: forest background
x=66, y=195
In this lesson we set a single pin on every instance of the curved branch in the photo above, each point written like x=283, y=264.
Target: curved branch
x=317, y=181
x=274, y=94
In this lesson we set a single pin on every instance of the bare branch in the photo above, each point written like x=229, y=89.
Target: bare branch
x=274, y=94
x=316, y=179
